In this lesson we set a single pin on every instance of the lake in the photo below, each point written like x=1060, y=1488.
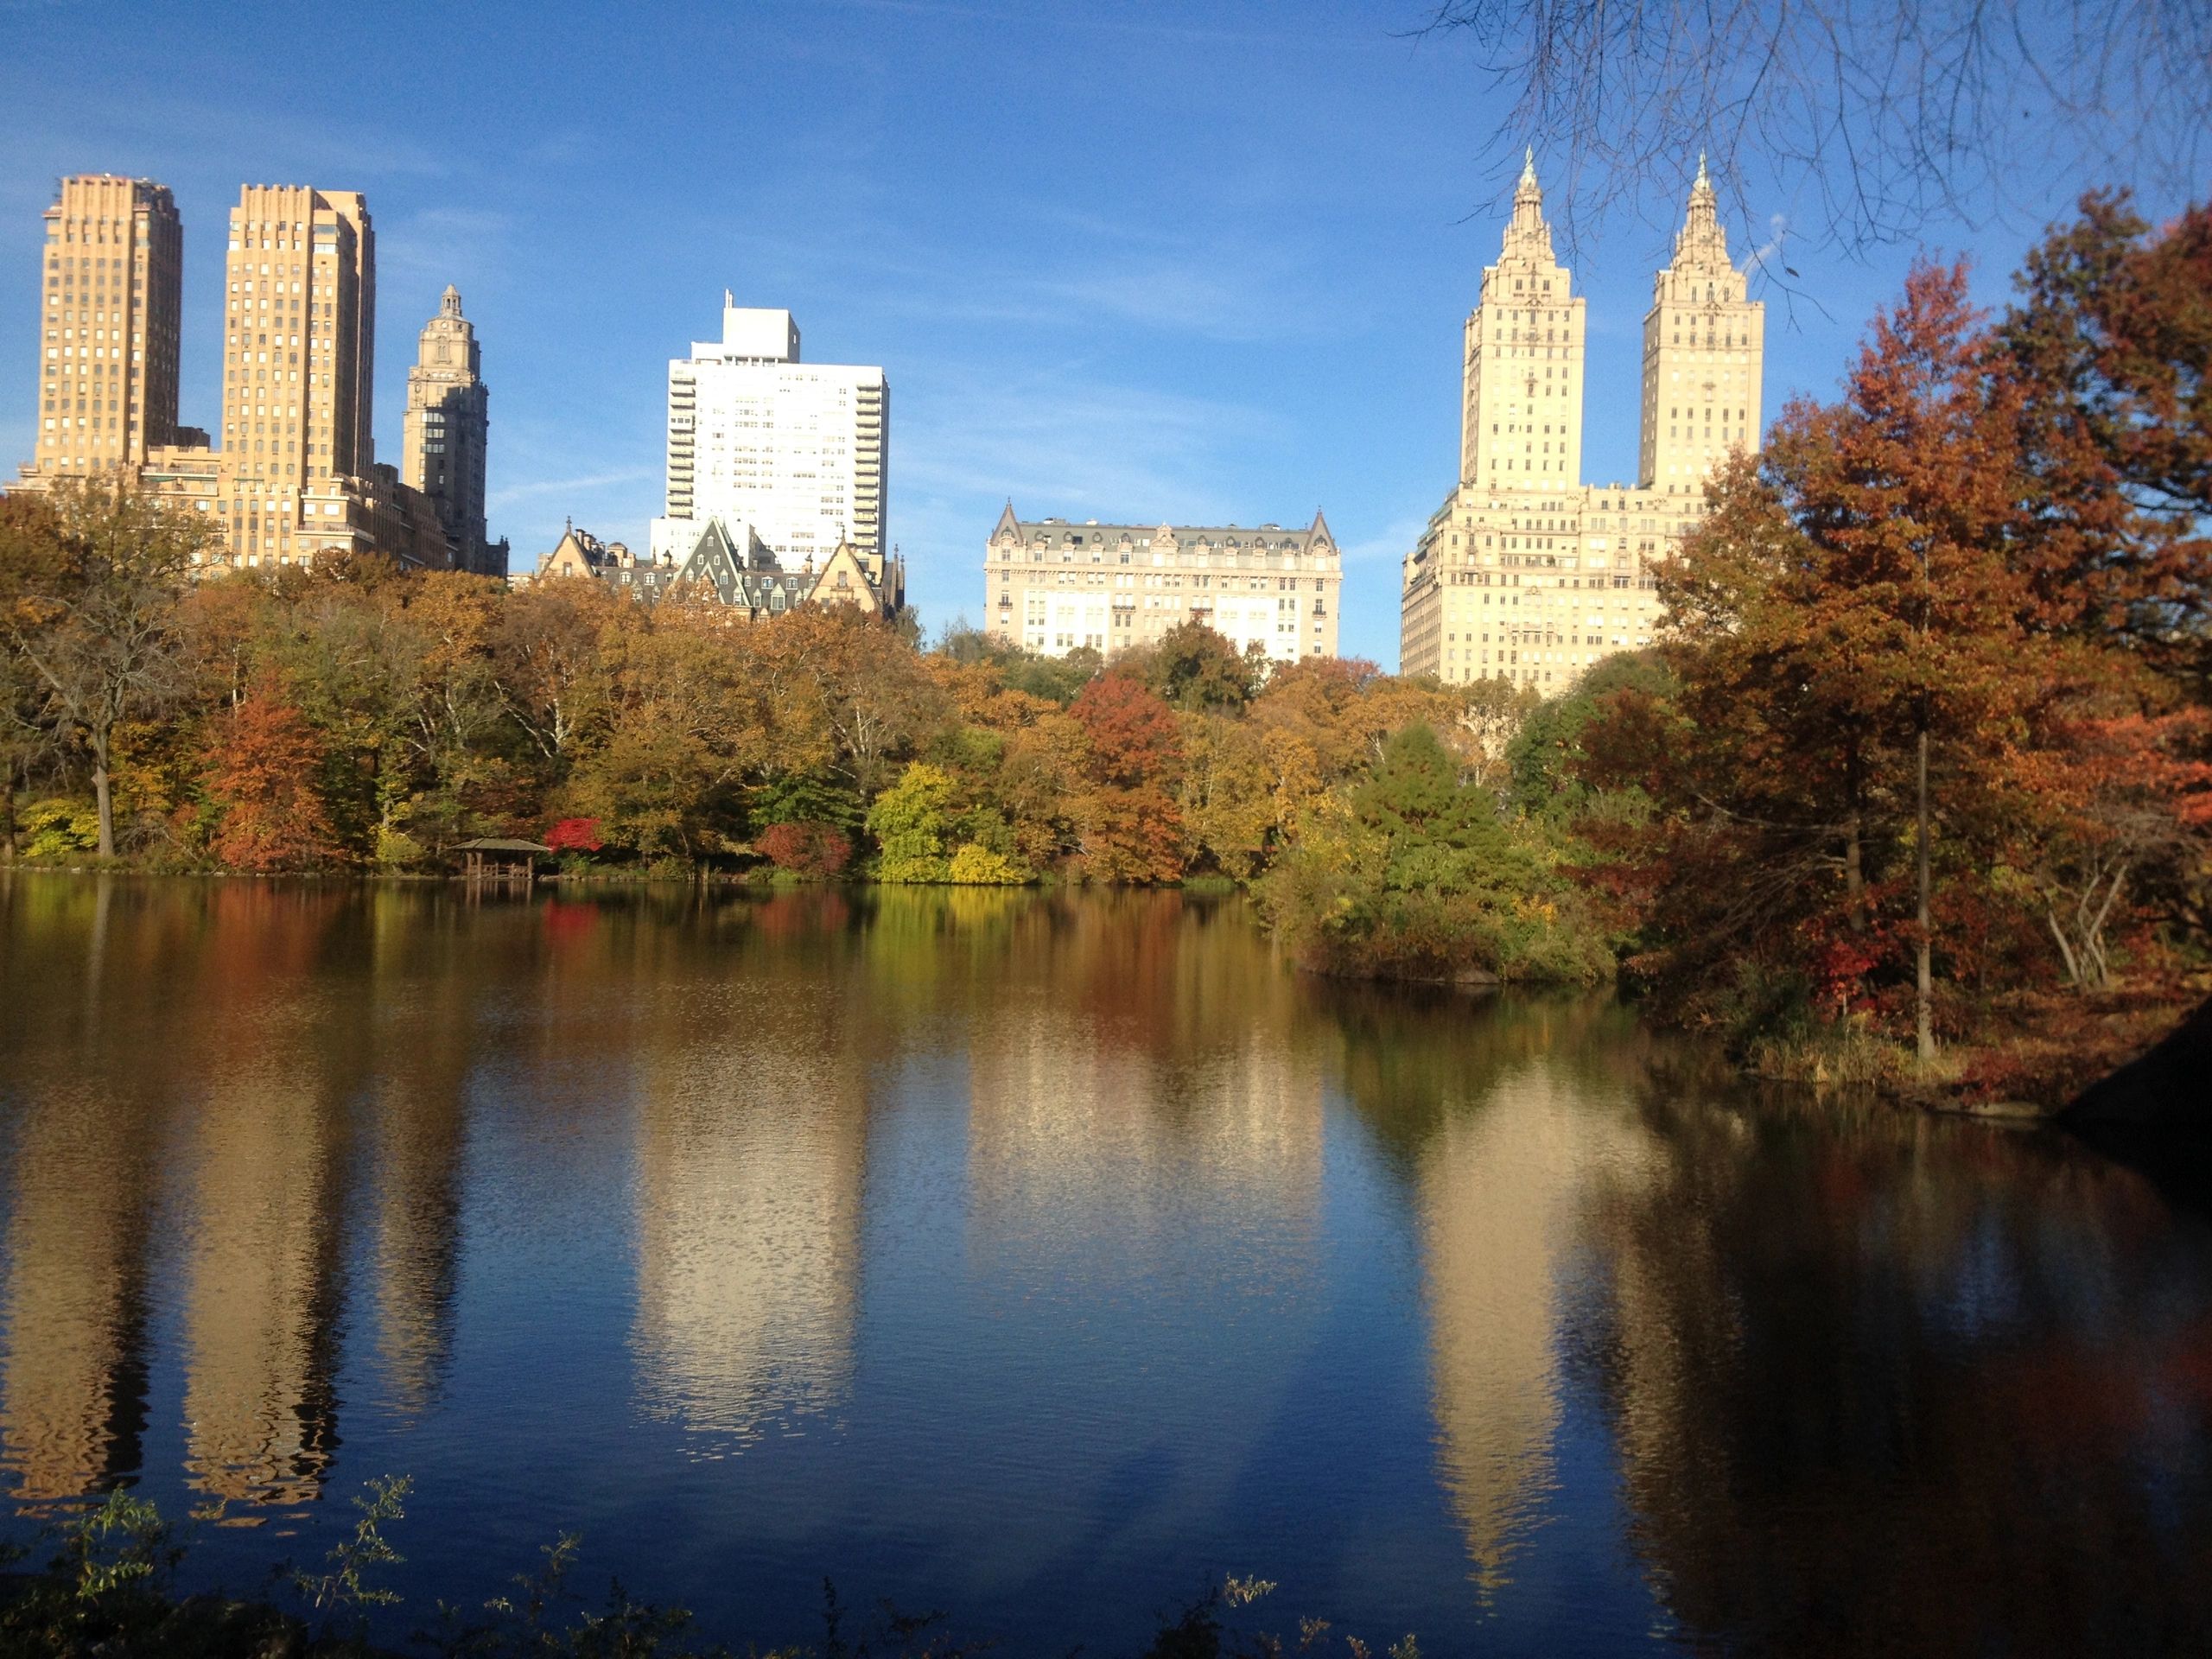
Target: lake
x=1034, y=1256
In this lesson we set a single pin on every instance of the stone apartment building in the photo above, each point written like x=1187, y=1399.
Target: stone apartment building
x=1054, y=586
x=729, y=563
x=1525, y=572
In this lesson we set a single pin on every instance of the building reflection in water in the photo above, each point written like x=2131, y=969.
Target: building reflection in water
x=751, y=1150
x=1799, y=1379
x=1501, y=1193
x=428, y=1031
x=85, y=1145
x=265, y=1165
x=77, y=1251
x=1508, y=1117
x=1139, y=1078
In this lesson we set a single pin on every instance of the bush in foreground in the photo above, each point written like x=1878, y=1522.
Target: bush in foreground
x=109, y=1590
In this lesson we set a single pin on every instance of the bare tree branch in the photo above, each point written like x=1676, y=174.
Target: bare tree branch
x=1892, y=116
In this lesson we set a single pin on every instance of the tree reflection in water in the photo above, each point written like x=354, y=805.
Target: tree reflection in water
x=1052, y=1247
x=1881, y=1383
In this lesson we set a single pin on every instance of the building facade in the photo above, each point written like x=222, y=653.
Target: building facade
x=799, y=450
x=1525, y=572
x=1053, y=586
x=296, y=476
x=727, y=563
x=109, y=310
x=445, y=435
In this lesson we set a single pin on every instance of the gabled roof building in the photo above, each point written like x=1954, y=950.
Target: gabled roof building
x=729, y=563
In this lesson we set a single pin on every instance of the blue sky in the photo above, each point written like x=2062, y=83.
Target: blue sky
x=1203, y=263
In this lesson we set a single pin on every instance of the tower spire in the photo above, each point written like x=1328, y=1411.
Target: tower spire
x=1527, y=236
x=1701, y=245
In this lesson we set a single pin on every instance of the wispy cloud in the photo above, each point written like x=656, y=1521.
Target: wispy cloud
x=1389, y=545
x=439, y=245
x=1768, y=254
x=1070, y=443
x=538, y=489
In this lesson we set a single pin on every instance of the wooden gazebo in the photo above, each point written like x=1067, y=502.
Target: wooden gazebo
x=490, y=858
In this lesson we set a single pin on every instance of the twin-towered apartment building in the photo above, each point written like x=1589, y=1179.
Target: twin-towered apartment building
x=295, y=475
x=1524, y=574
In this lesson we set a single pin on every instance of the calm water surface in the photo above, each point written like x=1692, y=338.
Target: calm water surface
x=1035, y=1256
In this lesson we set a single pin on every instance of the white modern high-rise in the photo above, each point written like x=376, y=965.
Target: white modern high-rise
x=797, y=450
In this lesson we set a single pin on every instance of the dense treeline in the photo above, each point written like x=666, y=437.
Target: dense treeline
x=1934, y=735
x=347, y=717
x=1929, y=735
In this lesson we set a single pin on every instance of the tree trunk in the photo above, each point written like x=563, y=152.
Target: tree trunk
x=1923, y=971
x=1854, y=875
x=102, y=797
x=1854, y=846
x=8, y=810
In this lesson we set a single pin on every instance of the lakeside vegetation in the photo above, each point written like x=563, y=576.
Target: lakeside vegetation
x=110, y=1588
x=1916, y=786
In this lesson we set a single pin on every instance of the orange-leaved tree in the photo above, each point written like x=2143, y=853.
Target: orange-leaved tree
x=1851, y=629
x=1128, y=828
x=262, y=768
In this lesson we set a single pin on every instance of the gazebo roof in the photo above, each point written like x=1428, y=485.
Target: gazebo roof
x=495, y=844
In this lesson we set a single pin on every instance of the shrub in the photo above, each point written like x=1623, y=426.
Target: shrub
x=58, y=828
x=978, y=865
x=805, y=849
x=575, y=836
x=909, y=821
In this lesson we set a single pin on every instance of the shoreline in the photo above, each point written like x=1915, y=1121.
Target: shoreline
x=2029, y=1093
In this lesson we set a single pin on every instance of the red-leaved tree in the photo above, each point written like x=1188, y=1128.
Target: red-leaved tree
x=575, y=836
x=1128, y=826
x=262, y=767
x=805, y=849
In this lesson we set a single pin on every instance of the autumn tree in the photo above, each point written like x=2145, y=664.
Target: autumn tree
x=851, y=676
x=1193, y=669
x=2110, y=344
x=684, y=738
x=1130, y=761
x=1225, y=795
x=262, y=765
x=1871, y=703
x=913, y=822
x=549, y=663
x=1413, y=872
x=90, y=582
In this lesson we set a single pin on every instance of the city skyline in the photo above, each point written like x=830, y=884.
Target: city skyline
x=1202, y=315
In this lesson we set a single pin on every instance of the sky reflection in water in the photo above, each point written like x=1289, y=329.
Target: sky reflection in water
x=1034, y=1256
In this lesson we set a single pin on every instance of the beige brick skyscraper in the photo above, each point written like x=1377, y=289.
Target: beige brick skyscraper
x=299, y=337
x=112, y=293
x=1521, y=424
x=1525, y=572
x=443, y=435
x=1702, y=347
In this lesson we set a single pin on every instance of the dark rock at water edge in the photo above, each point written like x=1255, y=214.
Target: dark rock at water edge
x=2166, y=1092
